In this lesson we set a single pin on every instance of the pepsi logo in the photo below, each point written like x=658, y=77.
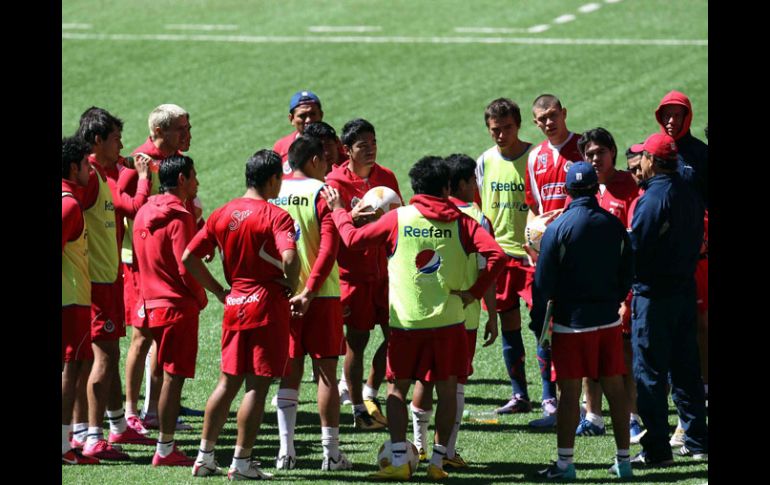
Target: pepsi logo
x=427, y=261
x=297, y=231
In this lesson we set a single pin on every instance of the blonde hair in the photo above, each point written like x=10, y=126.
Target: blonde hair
x=162, y=116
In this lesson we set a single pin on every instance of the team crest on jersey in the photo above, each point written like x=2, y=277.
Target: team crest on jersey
x=427, y=261
x=297, y=231
x=140, y=312
x=237, y=217
x=568, y=165
x=542, y=160
x=109, y=327
x=143, y=234
x=286, y=167
x=354, y=202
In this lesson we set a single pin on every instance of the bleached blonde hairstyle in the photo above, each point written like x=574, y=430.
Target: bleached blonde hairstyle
x=165, y=114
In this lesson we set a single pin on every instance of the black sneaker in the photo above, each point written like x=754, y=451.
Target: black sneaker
x=685, y=451
x=364, y=420
x=644, y=460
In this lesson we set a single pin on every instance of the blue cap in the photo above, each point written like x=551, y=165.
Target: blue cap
x=581, y=175
x=303, y=97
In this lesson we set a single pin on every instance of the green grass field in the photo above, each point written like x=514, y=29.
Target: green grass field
x=422, y=73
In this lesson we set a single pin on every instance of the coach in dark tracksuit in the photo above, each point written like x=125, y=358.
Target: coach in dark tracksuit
x=585, y=267
x=666, y=234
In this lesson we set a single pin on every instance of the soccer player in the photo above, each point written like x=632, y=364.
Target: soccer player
x=316, y=328
x=666, y=234
x=105, y=206
x=462, y=177
x=426, y=242
x=363, y=273
x=76, y=288
x=501, y=173
x=331, y=143
x=257, y=243
x=172, y=298
x=547, y=167
x=585, y=269
x=617, y=191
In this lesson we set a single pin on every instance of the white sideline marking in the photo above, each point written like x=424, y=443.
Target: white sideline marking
x=201, y=27
x=589, y=7
x=612, y=1
x=353, y=39
x=343, y=28
x=538, y=28
x=489, y=30
x=563, y=19
x=76, y=26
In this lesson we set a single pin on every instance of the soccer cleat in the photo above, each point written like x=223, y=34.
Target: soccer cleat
x=175, y=458
x=130, y=437
x=587, y=428
x=400, y=473
x=185, y=411
x=206, y=468
x=549, y=406
x=455, y=462
x=75, y=457
x=345, y=397
x=555, y=473
x=375, y=411
x=685, y=451
x=621, y=469
x=104, y=451
x=435, y=473
x=643, y=459
x=636, y=431
x=77, y=444
x=251, y=473
x=678, y=438
x=517, y=404
x=341, y=463
x=363, y=420
x=135, y=423
x=422, y=455
x=549, y=415
x=285, y=462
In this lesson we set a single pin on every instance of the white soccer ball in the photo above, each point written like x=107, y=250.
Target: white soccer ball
x=536, y=228
x=381, y=199
x=385, y=455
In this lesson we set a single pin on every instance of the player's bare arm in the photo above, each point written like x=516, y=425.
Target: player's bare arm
x=201, y=273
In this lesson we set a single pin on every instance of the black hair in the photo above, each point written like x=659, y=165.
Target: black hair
x=587, y=191
x=429, y=176
x=170, y=168
x=303, y=149
x=600, y=136
x=502, y=107
x=320, y=130
x=97, y=121
x=353, y=130
x=545, y=101
x=461, y=167
x=73, y=149
x=261, y=166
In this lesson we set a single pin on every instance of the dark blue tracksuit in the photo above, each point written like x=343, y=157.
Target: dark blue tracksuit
x=666, y=234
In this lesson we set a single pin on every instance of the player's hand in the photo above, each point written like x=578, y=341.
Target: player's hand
x=465, y=296
x=209, y=257
x=363, y=214
x=490, y=331
x=623, y=310
x=300, y=303
x=531, y=255
x=288, y=290
x=142, y=165
x=332, y=197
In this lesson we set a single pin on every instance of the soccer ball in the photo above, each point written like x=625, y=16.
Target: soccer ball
x=381, y=199
x=385, y=455
x=536, y=228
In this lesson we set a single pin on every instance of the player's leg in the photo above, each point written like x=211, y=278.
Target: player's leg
x=422, y=411
x=141, y=341
x=635, y=421
x=286, y=412
x=80, y=408
x=381, y=317
x=446, y=412
x=703, y=348
x=250, y=415
x=168, y=407
x=614, y=389
x=329, y=410
x=513, y=355
x=593, y=423
x=69, y=377
x=214, y=419
x=106, y=358
x=569, y=415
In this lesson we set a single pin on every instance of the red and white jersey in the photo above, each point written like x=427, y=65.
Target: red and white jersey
x=547, y=168
x=281, y=147
x=616, y=197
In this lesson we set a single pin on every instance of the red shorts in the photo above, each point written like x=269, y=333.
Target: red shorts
x=76, y=333
x=433, y=354
x=175, y=331
x=513, y=282
x=702, y=284
x=107, y=322
x=588, y=354
x=132, y=298
x=262, y=351
x=471, y=336
x=364, y=304
x=626, y=323
x=319, y=333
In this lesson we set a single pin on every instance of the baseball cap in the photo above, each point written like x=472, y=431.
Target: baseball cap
x=660, y=145
x=303, y=97
x=636, y=148
x=581, y=175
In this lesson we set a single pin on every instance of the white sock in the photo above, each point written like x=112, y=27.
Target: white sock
x=80, y=431
x=65, y=438
x=117, y=419
x=287, y=419
x=95, y=434
x=241, y=459
x=206, y=452
x=420, y=422
x=399, y=453
x=565, y=457
x=369, y=392
x=635, y=417
x=623, y=455
x=146, y=408
x=450, y=447
x=595, y=419
x=439, y=452
x=330, y=440
x=164, y=448
x=342, y=384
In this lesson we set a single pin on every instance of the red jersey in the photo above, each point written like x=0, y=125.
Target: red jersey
x=359, y=265
x=546, y=176
x=281, y=147
x=617, y=196
x=162, y=229
x=72, y=222
x=251, y=235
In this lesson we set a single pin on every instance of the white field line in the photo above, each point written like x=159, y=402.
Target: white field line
x=206, y=27
x=612, y=1
x=359, y=39
x=344, y=28
x=563, y=19
x=76, y=26
x=490, y=30
x=536, y=29
x=589, y=7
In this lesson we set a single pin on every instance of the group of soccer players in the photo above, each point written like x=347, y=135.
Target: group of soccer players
x=310, y=270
